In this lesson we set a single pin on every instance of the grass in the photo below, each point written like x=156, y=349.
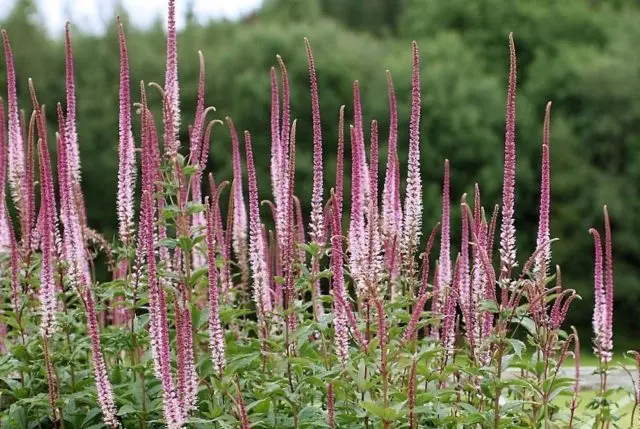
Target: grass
x=622, y=405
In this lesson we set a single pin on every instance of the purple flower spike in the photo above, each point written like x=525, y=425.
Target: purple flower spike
x=48, y=213
x=542, y=261
x=5, y=240
x=171, y=86
x=508, y=229
x=445, y=234
x=103, y=385
x=413, y=197
x=17, y=159
x=391, y=221
x=603, y=293
x=261, y=287
x=70, y=125
x=607, y=345
x=239, y=234
x=317, y=218
x=126, y=155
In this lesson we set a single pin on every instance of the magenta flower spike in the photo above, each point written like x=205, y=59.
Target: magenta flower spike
x=15, y=266
x=17, y=157
x=47, y=282
x=316, y=227
x=261, y=287
x=357, y=248
x=508, y=229
x=239, y=234
x=599, y=292
x=374, y=246
x=445, y=233
x=607, y=341
x=285, y=125
x=103, y=385
x=70, y=125
x=73, y=244
x=544, y=259
x=339, y=191
x=391, y=220
x=126, y=148
x=171, y=87
x=5, y=240
x=174, y=413
x=413, y=197
x=289, y=227
x=467, y=304
x=449, y=312
x=359, y=137
x=197, y=129
x=275, y=135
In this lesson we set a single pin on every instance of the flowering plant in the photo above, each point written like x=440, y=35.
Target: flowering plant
x=262, y=318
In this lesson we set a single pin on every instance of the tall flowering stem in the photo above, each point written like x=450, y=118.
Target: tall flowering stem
x=373, y=241
x=391, y=220
x=17, y=158
x=239, y=233
x=171, y=87
x=48, y=213
x=316, y=225
x=103, y=385
x=603, y=292
x=413, y=197
x=444, y=261
x=126, y=155
x=542, y=261
x=359, y=173
x=70, y=125
x=508, y=229
x=5, y=240
x=257, y=257
x=216, y=334
x=317, y=217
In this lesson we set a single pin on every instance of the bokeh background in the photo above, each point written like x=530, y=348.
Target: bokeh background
x=581, y=54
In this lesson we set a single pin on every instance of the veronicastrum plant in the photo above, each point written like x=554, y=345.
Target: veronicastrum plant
x=257, y=316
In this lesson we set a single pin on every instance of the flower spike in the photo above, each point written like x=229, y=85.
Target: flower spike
x=508, y=229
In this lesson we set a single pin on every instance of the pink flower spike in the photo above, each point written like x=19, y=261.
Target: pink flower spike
x=339, y=191
x=508, y=229
x=469, y=311
x=5, y=240
x=413, y=197
x=445, y=235
x=599, y=293
x=544, y=235
x=357, y=243
x=70, y=125
x=608, y=286
x=359, y=137
x=391, y=221
x=317, y=218
x=240, y=211
x=261, y=287
x=195, y=144
x=126, y=154
x=17, y=159
x=275, y=134
x=171, y=86
x=374, y=257
x=103, y=385
x=47, y=281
